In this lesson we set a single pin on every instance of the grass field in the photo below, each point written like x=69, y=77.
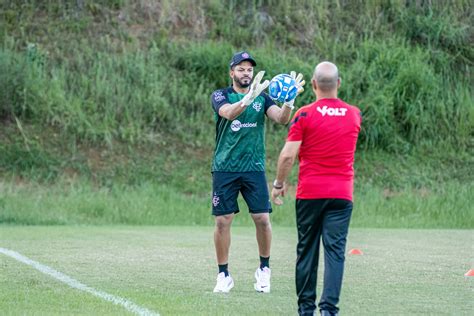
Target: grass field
x=171, y=271
x=442, y=205
x=107, y=135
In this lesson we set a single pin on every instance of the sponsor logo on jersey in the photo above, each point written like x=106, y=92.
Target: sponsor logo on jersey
x=218, y=96
x=332, y=111
x=236, y=125
x=257, y=106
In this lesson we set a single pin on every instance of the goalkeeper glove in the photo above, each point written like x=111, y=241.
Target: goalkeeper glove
x=299, y=84
x=255, y=89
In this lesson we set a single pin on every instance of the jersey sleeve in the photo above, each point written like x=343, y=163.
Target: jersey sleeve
x=268, y=101
x=218, y=99
x=296, y=129
x=359, y=114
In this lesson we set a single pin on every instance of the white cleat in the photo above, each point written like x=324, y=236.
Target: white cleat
x=263, y=280
x=224, y=283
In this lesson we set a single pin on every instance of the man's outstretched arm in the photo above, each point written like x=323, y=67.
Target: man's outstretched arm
x=285, y=163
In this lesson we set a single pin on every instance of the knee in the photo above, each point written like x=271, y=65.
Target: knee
x=335, y=248
x=262, y=221
x=223, y=223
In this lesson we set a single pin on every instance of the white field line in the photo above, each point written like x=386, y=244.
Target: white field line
x=130, y=306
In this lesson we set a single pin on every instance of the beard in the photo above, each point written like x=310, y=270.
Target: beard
x=242, y=84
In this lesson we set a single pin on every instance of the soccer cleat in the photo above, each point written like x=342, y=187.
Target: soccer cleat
x=224, y=283
x=263, y=280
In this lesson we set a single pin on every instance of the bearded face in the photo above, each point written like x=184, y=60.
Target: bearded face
x=242, y=74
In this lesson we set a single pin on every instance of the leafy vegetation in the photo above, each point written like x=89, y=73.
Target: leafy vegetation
x=116, y=92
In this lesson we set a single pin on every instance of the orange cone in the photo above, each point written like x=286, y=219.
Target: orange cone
x=470, y=273
x=355, y=251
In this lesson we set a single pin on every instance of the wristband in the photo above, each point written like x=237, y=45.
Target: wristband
x=290, y=104
x=277, y=186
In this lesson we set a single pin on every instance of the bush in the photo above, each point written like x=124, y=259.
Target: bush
x=406, y=65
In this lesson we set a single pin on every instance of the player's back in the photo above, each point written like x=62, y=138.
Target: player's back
x=328, y=129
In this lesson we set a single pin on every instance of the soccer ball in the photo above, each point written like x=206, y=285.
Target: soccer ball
x=282, y=88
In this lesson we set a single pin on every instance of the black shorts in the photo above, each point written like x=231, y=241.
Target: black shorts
x=227, y=185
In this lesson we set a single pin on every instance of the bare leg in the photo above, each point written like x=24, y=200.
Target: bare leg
x=264, y=233
x=222, y=237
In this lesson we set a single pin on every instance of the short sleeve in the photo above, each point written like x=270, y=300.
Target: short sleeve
x=268, y=101
x=296, y=129
x=218, y=99
x=359, y=114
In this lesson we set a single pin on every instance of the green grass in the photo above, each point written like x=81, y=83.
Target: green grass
x=129, y=71
x=106, y=119
x=166, y=184
x=172, y=270
x=64, y=203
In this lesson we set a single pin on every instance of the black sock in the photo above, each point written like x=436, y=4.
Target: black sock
x=223, y=268
x=264, y=262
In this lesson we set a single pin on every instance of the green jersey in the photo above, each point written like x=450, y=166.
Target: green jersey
x=240, y=143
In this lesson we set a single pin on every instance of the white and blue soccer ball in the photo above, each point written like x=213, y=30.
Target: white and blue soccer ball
x=282, y=88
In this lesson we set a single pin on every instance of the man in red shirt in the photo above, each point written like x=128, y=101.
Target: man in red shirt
x=324, y=135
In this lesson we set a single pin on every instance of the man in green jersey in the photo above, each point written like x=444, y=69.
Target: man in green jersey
x=239, y=162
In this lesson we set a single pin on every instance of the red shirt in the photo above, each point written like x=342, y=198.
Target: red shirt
x=328, y=129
